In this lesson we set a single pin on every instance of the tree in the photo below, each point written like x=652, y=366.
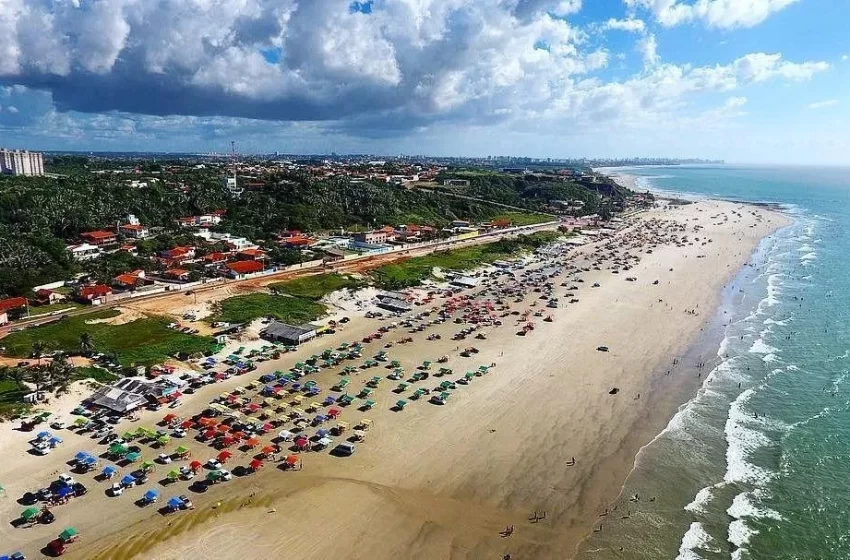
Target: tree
x=86, y=344
x=60, y=373
x=37, y=350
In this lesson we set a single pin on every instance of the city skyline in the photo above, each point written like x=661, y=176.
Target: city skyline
x=538, y=78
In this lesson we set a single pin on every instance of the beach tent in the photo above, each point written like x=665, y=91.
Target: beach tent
x=30, y=514
x=175, y=503
x=69, y=534
x=151, y=496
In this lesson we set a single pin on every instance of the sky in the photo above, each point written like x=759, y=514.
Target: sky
x=750, y=81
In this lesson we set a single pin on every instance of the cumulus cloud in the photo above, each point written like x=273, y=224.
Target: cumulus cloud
x=724, y=14
x=405, y=65
x=632, y=25
x=648, y=48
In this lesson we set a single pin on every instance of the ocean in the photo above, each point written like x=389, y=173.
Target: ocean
x=757, y=464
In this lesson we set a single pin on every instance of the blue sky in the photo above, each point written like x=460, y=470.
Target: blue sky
x=759, y=81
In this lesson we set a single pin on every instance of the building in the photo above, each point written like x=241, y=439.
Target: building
x=18, y=162
x=288, y=334
x=377, y=237
x=177, y=255
x=125, y=395
x=239, y=269
x=178, y=274
x=13, y=308
x=134, y=231
x=100, y=237
x=232, y=186
x=96, y=294
x=455, y=183
x=464, y=282
x=394, y=305
x=130, y=280
x=83, y=251
x=46, y=296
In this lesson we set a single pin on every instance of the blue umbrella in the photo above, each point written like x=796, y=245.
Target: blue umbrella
x=54, y=440
x=82, y=456
x=322, y=433
x=89, y=461
x=151, y=495
x=109, y=471
x=128, y=480
x=175, y=503
x=43, y=435
x=64, y=491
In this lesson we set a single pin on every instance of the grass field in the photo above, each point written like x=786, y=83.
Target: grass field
x=95, y=373
x=140, y=342
x=242, y=309
x=45, y=309
x=11, y=397
x=316, y=287
x=413, y=271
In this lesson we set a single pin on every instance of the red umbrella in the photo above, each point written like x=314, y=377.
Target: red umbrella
x=222, y=428
x=292, y=460
x=195, y=465
x=209, y=434
x=186, y=424
x=334, y=412
x=268, y=450
x=224, y=456
x=255, y=464
x=267, y=427
x=169, y=417
x=252, y=442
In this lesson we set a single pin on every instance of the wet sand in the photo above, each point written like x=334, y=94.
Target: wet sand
x=443, y=481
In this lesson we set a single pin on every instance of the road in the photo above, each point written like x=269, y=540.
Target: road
x=360, y=264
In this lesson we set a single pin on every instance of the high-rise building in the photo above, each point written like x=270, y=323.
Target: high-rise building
x=21, y=162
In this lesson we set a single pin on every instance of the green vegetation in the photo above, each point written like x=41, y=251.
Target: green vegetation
x=47, y=309
x=523, y=218
x=11, y=397
x=242, y=309
x=316, y=287
x=140, y=342
x=96, y=373
x=414, y=271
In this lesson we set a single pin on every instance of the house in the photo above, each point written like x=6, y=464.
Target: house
x=464, y=282
x=251, y=255
x=95, y=294
x=83, y=251
x=134, y=231
x=277, y=331
x=13, y=308
x=206, y=220
x=47, y=297
x=177, y=255
x=239, y=269
x=394, y=305
x=216, y=258
x=130, y=280
x=178, y=274
x=100, y=237
x=132, y=249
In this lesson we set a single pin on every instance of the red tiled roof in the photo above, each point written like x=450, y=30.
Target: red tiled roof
x=100, y=234
x=133, y=227
x=245, y=267
x=299, y=241
x=176, y=272
x=252, y=252
x=216, y=257
x=91, y=292
x=127, y=279
x=12, y=303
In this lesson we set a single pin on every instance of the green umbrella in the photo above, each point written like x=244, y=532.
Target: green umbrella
x=133, y=456
x=173, y=475
x=118, y=449
x=68, y=534
x=181, y=450
x=30, y=513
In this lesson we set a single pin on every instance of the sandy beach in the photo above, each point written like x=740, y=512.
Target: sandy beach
x=444, y=481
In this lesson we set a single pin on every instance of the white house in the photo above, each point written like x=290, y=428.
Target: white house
x=84, y=251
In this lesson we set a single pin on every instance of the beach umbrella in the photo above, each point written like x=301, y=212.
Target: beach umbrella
x=128, y=480
x=109, y=471
x=147, y=465
x=82, y=456
x=43, y=435
x=173, y=474
x=64, y=491
x=30, y=513
x=322, y=433
x=212, y=476
x=182, y=450
x=252, y=442
x=255, y=464
x=186, y=424
x=151, y=495
x=168, y=418
x=68, y=534
x=195, y=465
x=224, y=456
x=292, y=460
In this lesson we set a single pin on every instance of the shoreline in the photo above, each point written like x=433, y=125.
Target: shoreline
x=422, y=488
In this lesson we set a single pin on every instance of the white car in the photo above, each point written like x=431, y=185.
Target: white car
x=116, y=489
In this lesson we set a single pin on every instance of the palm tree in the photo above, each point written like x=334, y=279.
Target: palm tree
x=86, y=344
x=61, y=373
x=37, y=350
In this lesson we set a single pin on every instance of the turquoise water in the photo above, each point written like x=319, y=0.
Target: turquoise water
x=756, y=465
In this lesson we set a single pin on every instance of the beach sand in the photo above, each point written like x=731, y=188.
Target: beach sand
x=443, y=481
